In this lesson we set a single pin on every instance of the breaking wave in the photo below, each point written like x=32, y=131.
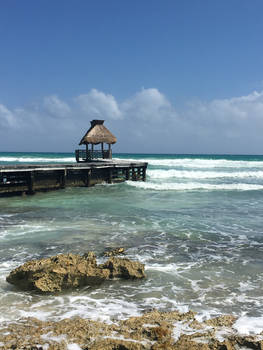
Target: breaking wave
x=200, y=163
x=190, y=186
x=166, y=174
x=37, y=159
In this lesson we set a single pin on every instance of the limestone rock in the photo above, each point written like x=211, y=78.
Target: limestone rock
x=124, y=268
x=151, y=331
x=66, y=271
x=114, y=252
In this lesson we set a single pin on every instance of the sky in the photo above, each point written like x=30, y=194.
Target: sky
x=167, y=76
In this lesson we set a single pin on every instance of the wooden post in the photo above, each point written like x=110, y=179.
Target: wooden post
x=110, y=152
x=127, y=177
x=144, y=174
x=102, y=151
x=110, y=176
x=63, y=178
x=87, y=152
x=88, y=176
x=92, y=151
x=77, y=155
x=133, y=174
x=30, y=182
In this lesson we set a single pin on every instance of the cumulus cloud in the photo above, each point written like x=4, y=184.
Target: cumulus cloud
x=230, y=116
x=98, y=105
x=144, y=122
x=56, y=107
x=7, y=119
x=148, y=105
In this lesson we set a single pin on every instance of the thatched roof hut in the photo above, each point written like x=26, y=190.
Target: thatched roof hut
x=98, y=133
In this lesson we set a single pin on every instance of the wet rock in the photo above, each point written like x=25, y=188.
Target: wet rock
x=56, y=273
x=66, y=271
x=151, y=331
x=124, y=268
x=114, y=252
x=225, y=320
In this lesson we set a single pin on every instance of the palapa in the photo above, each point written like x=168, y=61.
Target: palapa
x=98, y=133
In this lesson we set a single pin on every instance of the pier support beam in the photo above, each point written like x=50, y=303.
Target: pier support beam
x=127, y=176
x=110, y=176
x=143, y=174
x=30, y=182
x=88, y=176
x=63, y=178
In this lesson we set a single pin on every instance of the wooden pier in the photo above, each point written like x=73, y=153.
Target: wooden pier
x=28, y=178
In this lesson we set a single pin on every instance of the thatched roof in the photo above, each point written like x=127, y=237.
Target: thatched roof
x=98, y=133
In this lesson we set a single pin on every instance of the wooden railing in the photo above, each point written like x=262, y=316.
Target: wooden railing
x=87, y=156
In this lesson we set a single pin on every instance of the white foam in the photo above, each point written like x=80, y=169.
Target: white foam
x=37, y=159
x=121, y=337
x=180, y=328
x=73, y=346
x=97, y=309
x=191, y=186
x=184, y=174
x=41, y=315
x=200, y=163
x=169, y=268
x=56, y=338
x=249, y=325
x=244, y=287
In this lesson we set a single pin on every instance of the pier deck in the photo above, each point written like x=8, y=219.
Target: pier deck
x=31, y=178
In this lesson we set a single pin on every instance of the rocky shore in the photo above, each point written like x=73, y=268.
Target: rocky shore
x=154, y=330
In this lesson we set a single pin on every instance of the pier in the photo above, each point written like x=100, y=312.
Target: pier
x=92, y=167
x=29, y=179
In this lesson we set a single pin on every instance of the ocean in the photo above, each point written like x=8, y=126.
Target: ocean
x=196, y=224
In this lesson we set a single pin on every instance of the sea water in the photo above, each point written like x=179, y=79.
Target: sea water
x=196, y=224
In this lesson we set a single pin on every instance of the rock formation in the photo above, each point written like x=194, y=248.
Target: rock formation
x=123, y=268
x=152, y=331
x=113, y=252
x=66, y=271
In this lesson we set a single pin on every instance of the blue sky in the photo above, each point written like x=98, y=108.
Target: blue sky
x=167, y=76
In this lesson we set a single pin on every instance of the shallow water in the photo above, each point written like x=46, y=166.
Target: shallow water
x=196, y=223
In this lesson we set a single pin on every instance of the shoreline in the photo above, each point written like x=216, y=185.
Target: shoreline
x=152, y=330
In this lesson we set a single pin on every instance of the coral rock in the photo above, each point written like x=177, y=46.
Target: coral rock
x=66, y=271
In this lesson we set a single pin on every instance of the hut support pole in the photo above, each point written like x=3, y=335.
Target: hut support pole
x=102, y=150
x=110, y=153
x=87, y=151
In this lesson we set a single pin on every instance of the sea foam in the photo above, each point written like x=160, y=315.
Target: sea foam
x=182, y=174
x=191, y=186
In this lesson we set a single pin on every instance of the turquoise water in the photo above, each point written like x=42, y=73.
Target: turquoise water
x=196, y=223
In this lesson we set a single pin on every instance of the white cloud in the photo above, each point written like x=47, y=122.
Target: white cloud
x=146, y=121
x=56, y=107
x=233, y=113
x=7, y=118
x=148, y=105
x=98, y=105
